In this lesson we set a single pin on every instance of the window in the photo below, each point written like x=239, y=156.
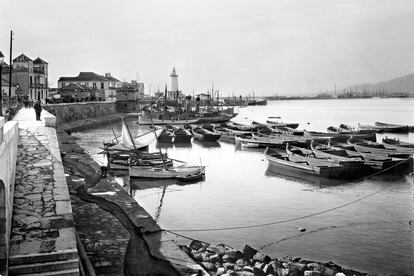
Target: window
x=94, y=85
x=102, y=85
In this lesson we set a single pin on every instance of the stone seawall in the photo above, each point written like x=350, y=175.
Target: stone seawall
x=70, y=112
x=9, y=136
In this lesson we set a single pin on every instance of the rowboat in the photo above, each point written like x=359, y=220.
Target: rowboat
x=398, y=145
x=205, y=135
x=344, y=128
x=261, y=140
x=376, y=148
x=122, y=161
x=181, y=173
x=166, y=136
x=355, y=165
x=289, y=163
x=144, y=120
x=351, y=167
x=241, y=127
x=279, y=123
x=182, y=135
x=391, y=127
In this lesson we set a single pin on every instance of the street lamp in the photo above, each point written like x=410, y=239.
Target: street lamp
x=1, y=83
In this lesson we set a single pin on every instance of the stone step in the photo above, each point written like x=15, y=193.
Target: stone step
x=43, y=257
x=57, y=266
x=67, y=272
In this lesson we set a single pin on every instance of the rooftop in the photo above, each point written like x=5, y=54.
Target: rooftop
x=88, y=76
x=39, y=61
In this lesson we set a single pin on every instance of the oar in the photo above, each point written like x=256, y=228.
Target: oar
x=177, y=160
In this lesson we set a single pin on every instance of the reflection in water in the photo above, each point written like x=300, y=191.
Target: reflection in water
x=158, y=213
x=303, y=178
x=207, y=144
x=183, y=145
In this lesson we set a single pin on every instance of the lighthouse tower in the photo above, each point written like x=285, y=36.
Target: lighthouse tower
x=174, y=80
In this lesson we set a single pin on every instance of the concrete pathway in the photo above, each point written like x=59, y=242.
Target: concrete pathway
x=42, y=230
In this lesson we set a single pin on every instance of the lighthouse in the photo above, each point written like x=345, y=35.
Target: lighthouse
x=174, y=93
x=174, y=80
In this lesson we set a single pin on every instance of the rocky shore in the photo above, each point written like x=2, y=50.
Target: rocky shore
x=226, y=261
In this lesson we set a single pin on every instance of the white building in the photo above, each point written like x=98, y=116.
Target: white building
x=174, y=92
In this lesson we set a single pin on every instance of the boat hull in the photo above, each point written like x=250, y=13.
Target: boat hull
x=161, y=173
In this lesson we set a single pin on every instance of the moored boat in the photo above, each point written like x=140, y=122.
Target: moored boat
x=376, y=148
x=398, y=145
x=286, y=162
x=182, y=135
x=205, y=135
x=180, y=173
x=166, y=136
x=391, y=127
x=279, y=123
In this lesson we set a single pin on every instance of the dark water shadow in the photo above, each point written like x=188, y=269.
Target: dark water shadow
x=207, y=144
x=183, y=145
x=304, y=178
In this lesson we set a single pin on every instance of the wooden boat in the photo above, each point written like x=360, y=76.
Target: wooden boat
x=279, y=123
x=340, y=137
x=398, y=145
x=144, y=120
x=391, y=127
x=205, y=135
x=376, y=148
x=344, y=128
x=241, y=127
x=260, y=140
x=287, y=130
x=286, y=162
x=122, y=161
x=182, y=172
x=182, y=135
x=126, y=143
x=350, y=168
x=375, y=162
x=166, y=136
x=355, y=165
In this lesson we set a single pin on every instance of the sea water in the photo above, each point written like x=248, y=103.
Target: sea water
x=362, y=224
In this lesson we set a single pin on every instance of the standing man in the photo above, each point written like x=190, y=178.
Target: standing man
x=38, y=109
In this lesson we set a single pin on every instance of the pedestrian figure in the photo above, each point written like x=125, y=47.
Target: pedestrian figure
x=38, y=109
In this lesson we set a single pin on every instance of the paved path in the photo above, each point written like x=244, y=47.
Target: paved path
x=42, y=218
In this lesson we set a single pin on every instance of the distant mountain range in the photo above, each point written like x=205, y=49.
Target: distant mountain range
x=404, y=84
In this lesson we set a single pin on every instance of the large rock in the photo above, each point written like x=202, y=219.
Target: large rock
x=249, y=252
x=311, y=273
x=229, y=266
x=261, y=258
x=196, y=245
x=242, y=262
x=234, y=255
x=220, y=271
x=316, y=267
x=209, y=266
x=268, y=270
x=214, y=258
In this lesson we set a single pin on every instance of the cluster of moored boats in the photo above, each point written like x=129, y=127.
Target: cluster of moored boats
x=343, y=152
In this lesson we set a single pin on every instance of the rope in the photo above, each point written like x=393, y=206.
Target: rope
x=297, y=218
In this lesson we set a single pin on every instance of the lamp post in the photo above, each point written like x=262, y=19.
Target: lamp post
x=1, y=83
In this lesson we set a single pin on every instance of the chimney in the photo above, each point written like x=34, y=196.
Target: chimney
x=107, y=75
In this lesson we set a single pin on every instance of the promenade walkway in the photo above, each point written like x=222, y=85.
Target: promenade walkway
x=43, y=237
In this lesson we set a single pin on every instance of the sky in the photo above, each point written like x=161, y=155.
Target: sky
x=265, y=47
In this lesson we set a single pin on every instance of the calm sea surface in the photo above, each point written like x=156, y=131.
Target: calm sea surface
x=371, y=235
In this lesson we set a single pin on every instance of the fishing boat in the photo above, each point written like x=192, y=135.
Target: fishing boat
x=123, y=160
x=279, y=123
x=241, y=127
x=182, y=135
x=375, y=162
x=180, y=173
x=391, y=127
x=355, y=165
x=126, y=143
x=344, y=128
x=286, y=162
x=166, y=136
x=205, y=135
x=376, y=148
x=398, y=145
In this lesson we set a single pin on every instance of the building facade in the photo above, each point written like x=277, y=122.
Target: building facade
x=128, y=96
x=104, y=87
x=30, y=78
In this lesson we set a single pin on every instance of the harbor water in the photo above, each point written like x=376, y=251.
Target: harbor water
x=364, y=224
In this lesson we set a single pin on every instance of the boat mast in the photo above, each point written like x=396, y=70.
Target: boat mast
x=155, y=133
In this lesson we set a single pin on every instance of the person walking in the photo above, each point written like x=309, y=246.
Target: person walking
x=38, y=109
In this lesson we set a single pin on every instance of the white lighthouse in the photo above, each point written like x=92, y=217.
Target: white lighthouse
x=174, y=80
x=174, y=92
